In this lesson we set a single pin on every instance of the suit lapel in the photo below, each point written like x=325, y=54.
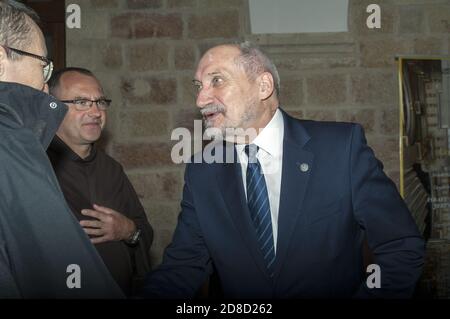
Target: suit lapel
x=296, y=170
x=229, y=177
x=294, y=182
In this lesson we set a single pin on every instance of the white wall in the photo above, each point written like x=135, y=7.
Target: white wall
x=298, y=16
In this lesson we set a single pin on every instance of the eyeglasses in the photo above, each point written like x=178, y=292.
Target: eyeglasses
x=86, y=104
x=47, y=68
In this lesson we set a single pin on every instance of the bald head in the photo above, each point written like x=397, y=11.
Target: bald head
x=82, y=125
x=55, y=81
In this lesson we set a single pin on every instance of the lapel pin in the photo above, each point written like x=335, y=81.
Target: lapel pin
x=304, y=167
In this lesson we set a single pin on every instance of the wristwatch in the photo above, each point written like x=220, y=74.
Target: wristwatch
x=134, y=238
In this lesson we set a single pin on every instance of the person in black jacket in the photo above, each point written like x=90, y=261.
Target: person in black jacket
x=94, y=184
x=44, y=253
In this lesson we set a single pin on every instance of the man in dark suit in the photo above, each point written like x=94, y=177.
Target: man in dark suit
x=287, y=219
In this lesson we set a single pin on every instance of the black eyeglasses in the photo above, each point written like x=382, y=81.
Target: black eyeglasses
x=48, y=67
x=86, y=104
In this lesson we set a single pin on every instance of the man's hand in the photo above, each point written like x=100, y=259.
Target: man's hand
x=109, y=226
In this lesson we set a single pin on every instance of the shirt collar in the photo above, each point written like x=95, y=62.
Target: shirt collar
x=270, y=139
x=58, y=146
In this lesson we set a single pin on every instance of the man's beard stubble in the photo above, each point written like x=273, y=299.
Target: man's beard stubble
x=228, y=131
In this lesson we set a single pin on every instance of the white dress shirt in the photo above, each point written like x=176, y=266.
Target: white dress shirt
x=270, y=156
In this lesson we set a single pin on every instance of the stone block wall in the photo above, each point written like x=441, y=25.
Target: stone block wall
x=145, y=51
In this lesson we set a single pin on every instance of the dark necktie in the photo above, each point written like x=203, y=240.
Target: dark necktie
x=259, y=206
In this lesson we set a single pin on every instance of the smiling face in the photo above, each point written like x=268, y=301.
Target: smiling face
x=227, y=98
x=80, y=128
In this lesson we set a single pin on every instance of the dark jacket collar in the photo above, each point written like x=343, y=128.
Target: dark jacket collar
x=294, y=131
x=59, y=148
x=24, y=107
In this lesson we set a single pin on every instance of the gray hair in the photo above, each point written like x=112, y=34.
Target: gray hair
x=255, y=62
x=15, y=26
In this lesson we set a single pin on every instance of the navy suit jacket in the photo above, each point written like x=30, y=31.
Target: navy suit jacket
x=324, y=214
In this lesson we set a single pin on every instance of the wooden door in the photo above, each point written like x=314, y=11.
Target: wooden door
x=52, y=14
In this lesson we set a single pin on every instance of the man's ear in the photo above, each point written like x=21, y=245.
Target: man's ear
x=266, y=86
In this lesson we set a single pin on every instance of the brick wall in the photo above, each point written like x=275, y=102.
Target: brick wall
x=145, y=51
